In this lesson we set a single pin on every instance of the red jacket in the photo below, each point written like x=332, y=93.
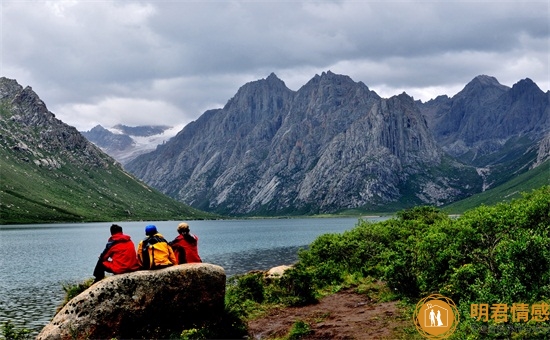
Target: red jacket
x=186, y=252
x=119, y=255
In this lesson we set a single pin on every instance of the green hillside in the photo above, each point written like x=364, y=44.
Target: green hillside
x=31, y=194
x=526, y=182
x=50, y=173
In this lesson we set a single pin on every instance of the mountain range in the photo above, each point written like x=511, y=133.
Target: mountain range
x=332, y=146
x=335, y=145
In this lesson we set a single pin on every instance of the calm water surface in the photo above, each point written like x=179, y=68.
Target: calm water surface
x=37, y=260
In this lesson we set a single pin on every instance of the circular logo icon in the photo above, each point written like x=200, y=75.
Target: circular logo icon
x=436, y=317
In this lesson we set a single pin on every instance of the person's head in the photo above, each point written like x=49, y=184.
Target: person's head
x=115, y=229
x=150, y=230
x=183, y=228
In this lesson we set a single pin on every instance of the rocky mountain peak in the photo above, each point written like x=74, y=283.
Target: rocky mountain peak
x=330, y=78
x=260, y=93
x=274, y=80
x=486, y=80
x=484, y=87
x=526, y=87
x=125, y=143
x=43, y=139
x=9, y=88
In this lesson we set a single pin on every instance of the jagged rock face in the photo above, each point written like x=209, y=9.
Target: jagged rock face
x=331, y=145
x=143, y=304
x=480, y=119
x=40, y=137
x=543, y=151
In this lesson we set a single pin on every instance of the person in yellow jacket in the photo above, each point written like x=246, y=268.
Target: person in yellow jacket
x=154, y=252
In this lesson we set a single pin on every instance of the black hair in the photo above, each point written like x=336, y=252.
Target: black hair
x=115, y=228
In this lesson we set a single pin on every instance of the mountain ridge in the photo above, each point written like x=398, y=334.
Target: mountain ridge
x=291, y=160
x=334, y=145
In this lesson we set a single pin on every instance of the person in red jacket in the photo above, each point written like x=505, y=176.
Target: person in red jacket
x=119, y=255
x=185, y=245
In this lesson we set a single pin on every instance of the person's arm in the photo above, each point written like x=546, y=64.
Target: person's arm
x=171, y=255
x=140, y=260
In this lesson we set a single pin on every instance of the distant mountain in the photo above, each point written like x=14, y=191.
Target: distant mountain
x=51, y=173
x=330, y=146
x=125, y=143
x=493, y=127
x=482, y=117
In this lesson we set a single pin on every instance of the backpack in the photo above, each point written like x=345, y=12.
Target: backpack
x=150, y=243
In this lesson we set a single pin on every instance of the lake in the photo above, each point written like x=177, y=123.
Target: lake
x=36, y=260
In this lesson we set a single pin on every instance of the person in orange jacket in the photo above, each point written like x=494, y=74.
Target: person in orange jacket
x=185, y=245
x=119, y=255
x=154, y=252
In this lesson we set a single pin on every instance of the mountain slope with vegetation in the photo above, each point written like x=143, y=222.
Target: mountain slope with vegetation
x=530, y=180
x=50, y=173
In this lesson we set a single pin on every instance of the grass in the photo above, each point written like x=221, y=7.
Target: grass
x=35, y=194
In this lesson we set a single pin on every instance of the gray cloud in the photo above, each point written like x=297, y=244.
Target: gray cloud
x=166, y=62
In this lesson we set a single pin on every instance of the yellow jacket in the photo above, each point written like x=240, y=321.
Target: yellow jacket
x=154, y=252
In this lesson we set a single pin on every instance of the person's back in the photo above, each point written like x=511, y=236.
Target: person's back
x=185, y=245
x=123, y=255
x=154, y=252
x=119, y=255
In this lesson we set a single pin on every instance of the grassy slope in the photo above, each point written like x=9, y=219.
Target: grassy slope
x=525, y=182
x=34, y=194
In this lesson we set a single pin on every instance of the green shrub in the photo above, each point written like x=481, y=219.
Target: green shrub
x=299, y=329
x=73, y=289
x=193, y=334
x=10, y=332
x=499, y=253
x=248, y=287
x=230, y=326
x=297, y=285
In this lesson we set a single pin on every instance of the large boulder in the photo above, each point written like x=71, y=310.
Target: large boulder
x=144, y=304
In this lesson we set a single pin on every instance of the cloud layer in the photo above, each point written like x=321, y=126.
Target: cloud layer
x=166, y=62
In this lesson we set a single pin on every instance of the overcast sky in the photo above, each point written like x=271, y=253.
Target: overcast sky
x=166, y=62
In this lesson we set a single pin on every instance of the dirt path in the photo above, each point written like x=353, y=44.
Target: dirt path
x=344, y=315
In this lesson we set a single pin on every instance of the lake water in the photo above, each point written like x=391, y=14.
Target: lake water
x=36, y=260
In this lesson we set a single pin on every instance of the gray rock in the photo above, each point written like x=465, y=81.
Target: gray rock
x=143, y=304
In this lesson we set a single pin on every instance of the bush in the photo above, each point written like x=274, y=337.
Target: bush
x=499, y=253
x=297, y=285
x=299, y=329
x=251, y=287
x=10, y=332
x=72, y=290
